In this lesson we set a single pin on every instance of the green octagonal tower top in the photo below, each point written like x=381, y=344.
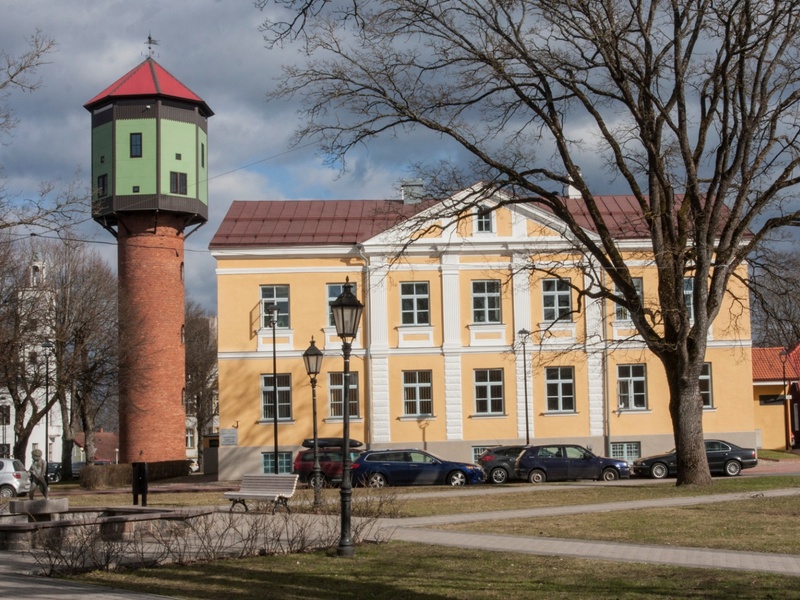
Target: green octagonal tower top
x=149, y=147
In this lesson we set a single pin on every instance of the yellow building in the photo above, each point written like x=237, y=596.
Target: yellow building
x=439, y=362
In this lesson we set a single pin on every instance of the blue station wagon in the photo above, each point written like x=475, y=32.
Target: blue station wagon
x=379, y=468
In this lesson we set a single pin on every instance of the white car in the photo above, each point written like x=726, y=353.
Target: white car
x=14, y=479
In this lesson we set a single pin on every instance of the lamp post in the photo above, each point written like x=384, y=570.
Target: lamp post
x=312, y=358
x=272, y=310
x=523, y=338
x=48, y=347
x=346, y=311
x=786, y=402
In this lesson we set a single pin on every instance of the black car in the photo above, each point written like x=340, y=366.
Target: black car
x=562, y=462
x=53, y=472
x=379, y=468
x=723, y=457
x=498, y=462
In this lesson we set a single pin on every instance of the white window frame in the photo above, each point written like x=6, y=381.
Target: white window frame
x=632, y=387
x=628, y=451
x=417, y=393
x=190, y=443
x=488, y=391
x=285, y=463
x=284, y=397
x=556, y=300
x=275, y=294
x=558, y=380
x=484, y=220
x=621, y=313
x=688, y=296
x=336, y=393
x=486, y=302
x=706, y=387
x=415, y=303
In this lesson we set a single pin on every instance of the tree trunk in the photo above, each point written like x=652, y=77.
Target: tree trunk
x=686, y=410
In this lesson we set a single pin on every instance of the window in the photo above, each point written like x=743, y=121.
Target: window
x=5, y=415
x=486, y=301
x=190, y=438
x=334, y=291
x=705, y=386
x=489, y=391
x=556, y=299
x=477, y=451
x=336, y=394
x=275, y=294
x=414, y=303
x=483, y=220
x=417, y=393
x=136, y=145
x=560, y=385
x=622, y=313
x=632, y=387
x=626, y=450
x=177, y=183
x=688, y=296
x=102, y=186
x=178, y=156
x=202, y=155
x=284, y=397
x=284, y=462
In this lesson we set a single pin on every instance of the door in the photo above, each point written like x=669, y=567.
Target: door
x=580, y=463
x=423, y=469
x=553, y=461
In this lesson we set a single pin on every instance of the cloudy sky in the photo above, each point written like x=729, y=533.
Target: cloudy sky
x=216, y=50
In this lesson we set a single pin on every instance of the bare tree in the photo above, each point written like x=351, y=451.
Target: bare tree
x=85, y=337
x=54, y=205
x=775, y=279
x=201, y=369
x=692, y=105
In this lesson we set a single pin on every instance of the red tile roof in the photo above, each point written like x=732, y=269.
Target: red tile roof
x=767, y=365
x=148, y=79
x=266, y=223
x=271, y=223
x=106, y=444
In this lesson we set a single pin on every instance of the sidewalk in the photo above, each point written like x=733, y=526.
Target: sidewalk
x=16, y=579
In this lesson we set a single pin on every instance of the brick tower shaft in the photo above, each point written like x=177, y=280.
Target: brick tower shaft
x=152, y=354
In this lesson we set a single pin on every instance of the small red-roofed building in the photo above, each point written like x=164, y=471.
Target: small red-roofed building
x=775, y=396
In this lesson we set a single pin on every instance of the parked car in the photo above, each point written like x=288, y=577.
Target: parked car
x=562, y=462
x=330, y=462
x=379, y=468
x=723, y=457
x=54, y=472
x=499, y=463
x=14, y=479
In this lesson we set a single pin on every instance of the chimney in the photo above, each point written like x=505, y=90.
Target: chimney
x=570, y=191
x=412, y=190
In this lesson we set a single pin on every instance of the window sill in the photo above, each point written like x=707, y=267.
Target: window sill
x=417, y=418
x=633, y=411
x=272, y=422
x=488, y=416
x=559, y=413
x=352, y=419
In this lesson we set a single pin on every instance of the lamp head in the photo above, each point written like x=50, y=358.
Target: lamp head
x=346, y=311
x=312, y=358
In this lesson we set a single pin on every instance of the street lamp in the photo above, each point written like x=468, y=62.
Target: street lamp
x=48, y=347
x=346, y=311
x=312, y=358
x=786, y=402
x=523, y=338
x=272, y=311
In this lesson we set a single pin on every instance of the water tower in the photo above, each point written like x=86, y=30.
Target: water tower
x=149, y=184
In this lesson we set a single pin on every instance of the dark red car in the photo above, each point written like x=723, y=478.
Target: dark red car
x=330, y=460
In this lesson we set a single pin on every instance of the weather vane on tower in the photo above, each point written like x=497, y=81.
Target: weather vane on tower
x=150, y=43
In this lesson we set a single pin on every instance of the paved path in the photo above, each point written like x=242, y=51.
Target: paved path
x=16, y=580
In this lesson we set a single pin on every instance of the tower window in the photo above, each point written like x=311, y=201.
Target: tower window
x=136, y=145
x=177, y=183
x=102, y=186
x=136, y=189
x=202, y=155
x=178, y=156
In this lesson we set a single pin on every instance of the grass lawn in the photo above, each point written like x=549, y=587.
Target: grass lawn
x=417, y=572
x=420, y=572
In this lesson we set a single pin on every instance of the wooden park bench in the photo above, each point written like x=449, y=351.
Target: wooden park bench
x=277, y=489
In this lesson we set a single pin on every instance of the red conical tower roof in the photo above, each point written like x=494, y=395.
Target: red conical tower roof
x=148, y=79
